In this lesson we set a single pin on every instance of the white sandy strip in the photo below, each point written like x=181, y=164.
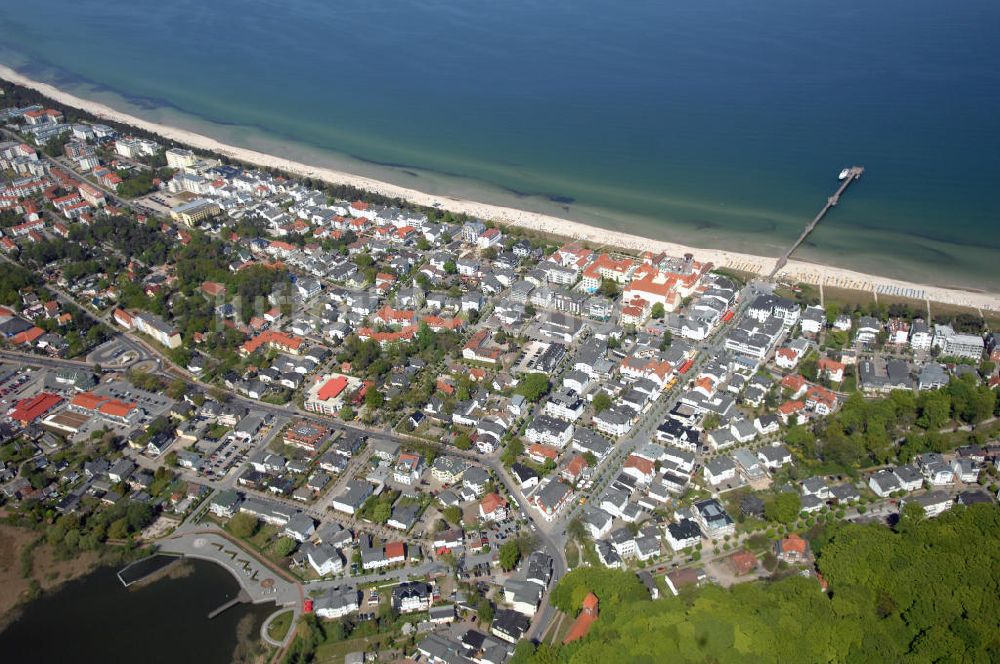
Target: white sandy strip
x=794, y=270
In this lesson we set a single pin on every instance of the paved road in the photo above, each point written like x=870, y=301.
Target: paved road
x=393, y=575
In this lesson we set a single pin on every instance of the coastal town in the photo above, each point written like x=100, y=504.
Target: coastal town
x=413, y=424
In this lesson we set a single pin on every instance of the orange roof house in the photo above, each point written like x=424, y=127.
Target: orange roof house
x=794, y=382
x=743, y=562
x=395, y=550
x=115, y=408
x=383, y=338
x=642, y=464
x=332, y=388
x=790, y=408
x=272, y=339
x=821, y=399
x=213, y=288
x=831, y=369
x=793, y=548
x=439, y=324
x=491, y=502
x=28, y=336
x=540, y=453
x=575, y=467
x=588, y=614
x=444, y=385
x=391, y=316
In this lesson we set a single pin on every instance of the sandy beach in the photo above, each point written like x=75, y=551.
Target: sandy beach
x=795, y=270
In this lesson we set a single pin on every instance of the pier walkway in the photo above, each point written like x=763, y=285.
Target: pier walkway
x=853, y=174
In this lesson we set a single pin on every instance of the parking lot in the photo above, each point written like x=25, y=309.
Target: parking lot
x=232, y=452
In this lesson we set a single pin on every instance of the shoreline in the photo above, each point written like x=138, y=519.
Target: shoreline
x=794, y=271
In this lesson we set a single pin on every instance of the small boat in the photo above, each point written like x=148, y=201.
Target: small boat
x=844, y=174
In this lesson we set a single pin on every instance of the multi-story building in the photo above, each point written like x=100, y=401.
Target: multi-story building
x=149, y=324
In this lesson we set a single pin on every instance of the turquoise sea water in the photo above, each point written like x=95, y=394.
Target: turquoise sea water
x=719, y=123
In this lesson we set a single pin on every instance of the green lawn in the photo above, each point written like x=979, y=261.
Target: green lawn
x=572, y=554
x=278, y=628
x=335, y=652
x=263, y=536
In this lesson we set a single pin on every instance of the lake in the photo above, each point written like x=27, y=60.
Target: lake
x=95, y=618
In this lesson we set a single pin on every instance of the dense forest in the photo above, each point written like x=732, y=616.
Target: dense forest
x=927, y=591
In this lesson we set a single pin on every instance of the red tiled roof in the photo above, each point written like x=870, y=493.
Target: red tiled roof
x=213, y=288
x=332, y=388
x=793, y=543
x=271, y=337
x=540, y=450
x=643, y=465
x=491, y=502
x=28, y=336
x=794, y=382
x=790, y=407
x=87, y=401
x=588, y=614
x=395, y=550
x=743, y=561
x=115, y=408
x=29, y=410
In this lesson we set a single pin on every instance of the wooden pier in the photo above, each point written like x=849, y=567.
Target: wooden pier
x=853, y=174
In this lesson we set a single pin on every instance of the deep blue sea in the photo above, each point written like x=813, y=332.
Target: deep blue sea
x=712, y=122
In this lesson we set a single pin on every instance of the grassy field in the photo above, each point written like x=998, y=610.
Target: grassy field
x=572, y=554
x=278, y=628
x=335, y=652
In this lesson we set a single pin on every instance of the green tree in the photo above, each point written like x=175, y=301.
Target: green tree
x=783, y=508
x=484, y=609
x=533, y=386
x=118, y=529
x=381, y=512
x=453, y=514
x=524, y=652
x=463, y=442
x=601, y=401
x=510, y=554
x=284, y=546
x=374, y=399
x=609, y=289
x=347, y=413
x=935, y=409
x=512, y=451
x=658, y=311
x=243, y=525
